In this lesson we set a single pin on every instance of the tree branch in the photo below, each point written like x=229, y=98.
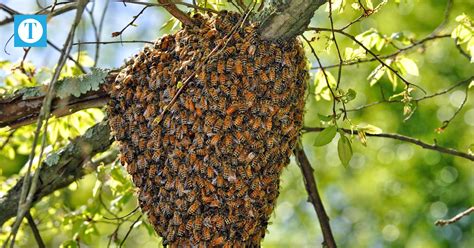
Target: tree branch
x=61, y=168
x=455, y=218
x=177, y=13
x=314, y=198
x=287, y=20
x=20, y=109
x=434, y=147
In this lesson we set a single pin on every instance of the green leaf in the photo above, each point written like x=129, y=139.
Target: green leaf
x=367, y=128
x=344, y=149
x=326, y=136
x=376, y=75
x=325, y=117
x=409, y=66
x=350, y=95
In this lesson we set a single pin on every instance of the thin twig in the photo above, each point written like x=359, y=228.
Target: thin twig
x=10, y=135
x=455, y=218
x=339, y=69
x=112, y=42
x=314, y=198
x=130, y=230
x=34, y=229
x=119, y=33
x=434, y=147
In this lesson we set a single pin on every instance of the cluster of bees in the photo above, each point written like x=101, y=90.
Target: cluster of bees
x=207, y=170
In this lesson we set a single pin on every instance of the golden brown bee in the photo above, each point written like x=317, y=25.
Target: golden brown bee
x=217, y=241
x=220, y=66
x=229, y=67
x=268, y=124
x=239, y=120
x=249, y=70
x=227, y=122
x=193, y=208
x=219, y=181
x=214, y=78
x=233, y=91
x=198, y=223
x=181, y=230
x=206, y=233
x=142, y=144
x=202, y=76
x=238, y=67
x=213, y=94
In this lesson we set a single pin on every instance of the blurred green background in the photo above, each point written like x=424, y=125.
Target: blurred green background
x=389, y=195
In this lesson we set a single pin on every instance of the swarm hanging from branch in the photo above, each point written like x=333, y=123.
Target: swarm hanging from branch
x=208, y=165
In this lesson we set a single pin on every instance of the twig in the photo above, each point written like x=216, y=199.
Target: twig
x=434, y=147
x=111, y=42
x=119, y=33
x=446, y=122
x=339, y=69
x=130, y=230
x=455, y=218
x=194, y=6
x=34, y=229
x=314, y=198
x=68, y=56
x=10, y=135
x=99, y=34
x=177, y=13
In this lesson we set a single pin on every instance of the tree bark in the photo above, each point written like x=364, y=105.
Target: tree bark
x=61, y=168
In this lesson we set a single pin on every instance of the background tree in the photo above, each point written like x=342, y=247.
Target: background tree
x=379, y=68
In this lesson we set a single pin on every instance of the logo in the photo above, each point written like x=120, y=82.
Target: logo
x=30, y=31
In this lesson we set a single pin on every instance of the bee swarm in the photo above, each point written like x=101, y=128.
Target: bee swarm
x=208, y=172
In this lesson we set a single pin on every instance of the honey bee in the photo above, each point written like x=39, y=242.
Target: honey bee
x=171, y=235
x=233, y=91
x=239, y=120
x=202, y=76
x=230, y=219
x=217, y=241
x=210, y=172
x=206, y=233
x=249, y=70
x=227, y=140
x=198, y=223
x=189, y=225
x=227, y=122
x=220, y=66
x=229, y=51
x=181, y=230
x=219, y=181
x=238, y=67
x=214, y=78
x=213, y=94
x=193, y=208
x=264, y=77
x=272, y=74
x=229, y=65
x=268, y=124
x=176, y=219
